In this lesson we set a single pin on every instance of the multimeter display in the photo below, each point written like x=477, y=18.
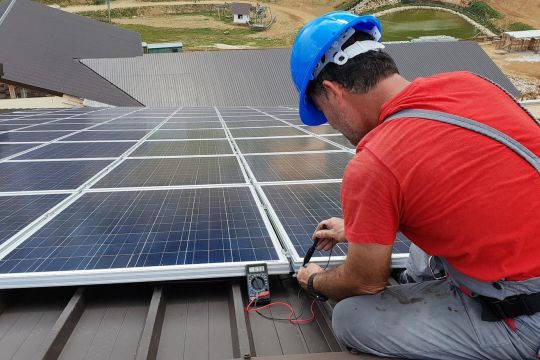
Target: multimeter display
x=257, y=282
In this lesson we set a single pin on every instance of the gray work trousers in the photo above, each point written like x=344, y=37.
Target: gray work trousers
x=430, y=320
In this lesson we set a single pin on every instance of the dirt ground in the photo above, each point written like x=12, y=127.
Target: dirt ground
x=526, y=11
x=523, y=68
x=173, y=21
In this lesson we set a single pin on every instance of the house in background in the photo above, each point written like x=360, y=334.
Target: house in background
x=241, y=12
x=162, y=48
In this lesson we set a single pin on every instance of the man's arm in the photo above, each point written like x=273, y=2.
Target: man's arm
x=365, y=271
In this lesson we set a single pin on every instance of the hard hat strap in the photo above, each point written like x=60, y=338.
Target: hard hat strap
x=338, y=56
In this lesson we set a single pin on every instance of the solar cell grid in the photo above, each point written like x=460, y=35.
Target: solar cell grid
x=189, y=134
x=254, y=123
x=131, y=126
x=340, y=139
x=107, y=135
x=292, y=167
x=148, y=228
x=321, y=129
x=266, y=131
x=180, y=148
x=32, y=136
x=11, y=149
x=25, y=122
x=269, y=145
x=10, y=127
x=301, y=207
x=192, y=125
x=78, y=150
x=173, y=172
x=47, y=175
x=54, y=126
x=16, y=212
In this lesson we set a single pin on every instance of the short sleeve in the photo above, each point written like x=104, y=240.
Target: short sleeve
x=370, y=197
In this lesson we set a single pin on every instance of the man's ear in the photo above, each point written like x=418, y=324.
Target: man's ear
x=333, y=90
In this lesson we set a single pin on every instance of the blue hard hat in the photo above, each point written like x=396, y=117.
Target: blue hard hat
x=312, y=42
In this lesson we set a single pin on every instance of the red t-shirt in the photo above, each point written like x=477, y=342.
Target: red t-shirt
x=453, y=192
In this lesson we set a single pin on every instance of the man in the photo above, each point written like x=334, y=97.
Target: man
x=460, y=180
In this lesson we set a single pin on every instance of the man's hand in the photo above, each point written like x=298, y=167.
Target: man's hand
x=305, y=272
x=330, y=232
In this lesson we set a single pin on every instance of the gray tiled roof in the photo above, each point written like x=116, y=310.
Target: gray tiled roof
x=240, y=8
x=261, y=77
x=39, y=47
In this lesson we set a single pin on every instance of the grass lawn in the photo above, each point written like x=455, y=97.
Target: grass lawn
x=198, y=39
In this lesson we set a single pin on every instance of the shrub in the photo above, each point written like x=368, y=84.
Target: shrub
x=519, y=26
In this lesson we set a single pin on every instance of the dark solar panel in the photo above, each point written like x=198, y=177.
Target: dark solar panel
x=129, y=126
x=298, y=166
x=267, y=131
x=253, y=123
x=178, y=148
x=301, y=207
x=16, y=212
x=178, y=171
x=107, y=135
x=47, y=175
x=283, y=145
x=10, y=127
x=342, y=140
x=78, y=150
x=35, y=136
x=189, y=134
x=188, y=119
x=322, y=129
x=147, y=228
x=54, y=126
x=10, y=149
x=192, y=125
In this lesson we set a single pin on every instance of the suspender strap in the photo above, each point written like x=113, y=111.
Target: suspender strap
x=475, y=126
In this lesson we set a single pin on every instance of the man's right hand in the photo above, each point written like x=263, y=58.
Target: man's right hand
x=329, y=232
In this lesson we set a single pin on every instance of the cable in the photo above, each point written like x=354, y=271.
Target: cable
x=292, y=313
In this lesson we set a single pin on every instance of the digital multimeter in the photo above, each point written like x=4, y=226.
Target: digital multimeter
x=257, y=282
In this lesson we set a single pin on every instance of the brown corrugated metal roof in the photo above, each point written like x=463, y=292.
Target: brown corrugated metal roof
x=39, y=46
x=262, y=77
x=194, y=320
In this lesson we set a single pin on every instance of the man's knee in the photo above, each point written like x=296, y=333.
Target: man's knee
x=350, y=320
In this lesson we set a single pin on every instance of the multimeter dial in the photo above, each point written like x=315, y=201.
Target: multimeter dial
x=257, y=282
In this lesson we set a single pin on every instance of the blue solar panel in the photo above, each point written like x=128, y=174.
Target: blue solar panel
x=129, y=126
x=10, y=127
x=107, y=135
x=283, y=145
x=147, y=228
x=292, y=167
x=16, y=212
x=10, y=149
x=301, y=207
x=78, y=150
x=322, y=129
x=19, y=136
x=170, y=172
x=48, y=175
x=54, y=126
x=189, y=134
x=178, y=148
x=340, y=139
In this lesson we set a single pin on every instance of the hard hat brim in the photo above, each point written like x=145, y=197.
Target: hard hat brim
x=309, y=114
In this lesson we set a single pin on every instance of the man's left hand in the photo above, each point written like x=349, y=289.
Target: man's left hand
x=305, y=272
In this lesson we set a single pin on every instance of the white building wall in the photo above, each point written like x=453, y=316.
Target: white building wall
x=243, y=20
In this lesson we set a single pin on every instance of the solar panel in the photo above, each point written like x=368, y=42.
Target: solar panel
x=134, y=234
x=11, y=149
x=107, y=135
x=10, y=127
x=254, y=123
x=283, y=145
x=171, y=172
x=78, y=150
x=177, y=148
x=54, y=126
x=340, y=139
x=300, y=207
x=16, y=212
x=266, y=131
x=321, y=129
x=192, y=125
x=189, y=134
x=47, y=175
x=32, y=136
x=129, y=126
x=291, y=167
x=189, y=119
